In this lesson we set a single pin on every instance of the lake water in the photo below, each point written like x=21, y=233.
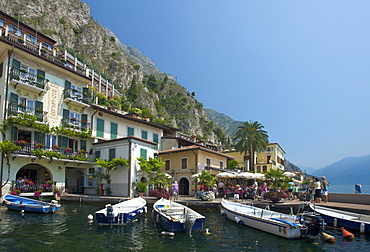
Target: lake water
x=68, y=230
x=365, y=189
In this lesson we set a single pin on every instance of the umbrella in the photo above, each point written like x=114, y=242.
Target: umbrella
x=225, y=175
x=168, y=175
x=249, y=175
x=195, y=175
x=289, y=174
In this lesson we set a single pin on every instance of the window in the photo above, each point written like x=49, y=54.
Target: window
x=99, y=127
x=112, y=153
x=130, y=131
x=264, y=168
x=97, y=154
x=143, y=153
x=155, y=139
x=221, y=164
x=50, y=141
x=1, y=22
x=74, y=118
x=26, y=105
x=113, y=130
x=47, y=46
x=208, y=162
x=144, y=134
x=15, y=30
x=31, y=39
x=167, y=165
x=259, y=169
x=184, y=163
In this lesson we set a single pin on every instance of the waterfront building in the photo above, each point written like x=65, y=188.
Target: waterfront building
x=271, y=158
x=182, y=163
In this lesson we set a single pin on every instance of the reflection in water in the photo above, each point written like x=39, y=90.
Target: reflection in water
x=69, y=230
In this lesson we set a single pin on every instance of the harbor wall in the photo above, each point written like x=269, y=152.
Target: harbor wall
x=353, y=198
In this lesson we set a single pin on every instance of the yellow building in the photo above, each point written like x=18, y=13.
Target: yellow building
x=271, y=158
x=182, y=163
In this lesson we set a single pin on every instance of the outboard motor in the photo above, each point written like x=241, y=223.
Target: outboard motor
x=110, y=215
x=314, y=226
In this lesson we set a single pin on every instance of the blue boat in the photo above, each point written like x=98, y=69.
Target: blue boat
x=340, y=218
x=121, y=213
x=17, y=203
x=176, y=217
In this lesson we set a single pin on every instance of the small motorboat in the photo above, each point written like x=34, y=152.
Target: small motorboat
x=122, y=212
x=307, y=226
x=17, y=203
x=340, y=218
x=176, y=217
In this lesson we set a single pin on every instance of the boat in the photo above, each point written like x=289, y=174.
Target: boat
x=340, y=218
x=307, y=226
x=122, y=212
x=17, y=203
x=176, y=217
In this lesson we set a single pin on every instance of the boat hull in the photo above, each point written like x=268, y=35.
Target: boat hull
x=344, y=219
x=123, y=212
x=254, y=217
x=16, y=203
x=171, y=216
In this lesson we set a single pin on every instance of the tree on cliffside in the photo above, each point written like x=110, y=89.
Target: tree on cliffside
x=250, y=138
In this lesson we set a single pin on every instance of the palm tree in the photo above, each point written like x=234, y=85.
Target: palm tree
x=251, y=138
x=276, y=176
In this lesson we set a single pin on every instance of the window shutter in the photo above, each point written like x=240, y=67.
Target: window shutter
x=113, y=130
x=112, y=154
x=83, y=145
x=39, y=111
x=84, y=122
x=14, y=133
x=143, y=153
x=67, y=89
x=130, y=131
x=155, y=139
x=16, y=69
x=63, y=142
x=99, y=127
x=13, y=99
x=39, y=137
x=144, y=135
x=97, y=154
x=85, y=96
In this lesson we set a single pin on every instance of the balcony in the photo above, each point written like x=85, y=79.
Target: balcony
x=29, y=81
x=75, y=124
x=16, y=109
x=75, y=97
x=39, y=150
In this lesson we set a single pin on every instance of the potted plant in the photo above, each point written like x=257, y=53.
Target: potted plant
x=141, y=187
x=275, y=196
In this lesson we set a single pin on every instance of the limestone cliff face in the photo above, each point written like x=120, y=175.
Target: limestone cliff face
x=69, y=23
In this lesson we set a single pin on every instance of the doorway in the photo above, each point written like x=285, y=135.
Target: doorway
x=184, y=186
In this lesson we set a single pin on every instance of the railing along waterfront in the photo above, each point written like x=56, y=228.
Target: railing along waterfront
x=29, y=185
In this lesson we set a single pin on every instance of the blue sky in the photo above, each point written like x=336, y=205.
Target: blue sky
x=300, y=68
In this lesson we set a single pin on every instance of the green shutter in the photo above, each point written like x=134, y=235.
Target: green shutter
x=67, y=89
x=13, y=99
x=63, y=142
x=144, y=135
x=83, y=145
x=1, y=69
x=99, y=127
x=13, y=104
x=40, y=78
x=155, y=139
x=84, y=121
x=112, y=154
x=39, y=137
x=65, y=120
x=143, y=153
x=85, y=96
x=14, y=133
x=39, y=111
x=130, y=131
x=16, y=69
x=97, y=154
x=113, y=130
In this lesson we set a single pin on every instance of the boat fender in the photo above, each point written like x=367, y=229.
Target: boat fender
x=110, y=214
x=222, y=212
x=346, y=234
x=145, y=209
x=133, y=214
x=141, y=211
x=90, y=217
x=328, y=237
x=207, y=231
x=238, y=220
x=362, y=228
x=157, y=218
x=335, y=224
x=168, y=233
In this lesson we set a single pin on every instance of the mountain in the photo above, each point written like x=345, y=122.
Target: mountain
x=144, y=88
x=291, y=167
x=308, y=170
x=350, y=170
x=223, y=121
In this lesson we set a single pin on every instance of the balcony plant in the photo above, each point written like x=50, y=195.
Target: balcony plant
x=15, y=192
x=38, y=193
x=141, y=187
x=275, y=196
x=22, y=143
x=73, y=119
x=68, y=150
x=20, y=40
x=55, y=147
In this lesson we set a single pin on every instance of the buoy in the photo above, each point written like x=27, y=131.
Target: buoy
x=22, y=212
x=328, y=237
x=362, y=228
x=168, y=233
x=335, y=224
x=346, y=234
x=222, y=212
x=90, y=217
x=207, y=231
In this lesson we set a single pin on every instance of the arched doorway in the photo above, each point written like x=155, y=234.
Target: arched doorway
x=32, y=177
x=184, y=186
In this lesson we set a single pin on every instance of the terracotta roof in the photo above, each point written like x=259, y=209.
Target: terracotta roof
x=194, y=147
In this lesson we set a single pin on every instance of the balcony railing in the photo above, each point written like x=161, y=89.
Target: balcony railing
x=75, y=95
x=32, y=186
x=64, y=153
x=16, y=109
x=27, y=78
x=75, y=124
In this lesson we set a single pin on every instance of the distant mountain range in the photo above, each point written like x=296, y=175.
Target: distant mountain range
x=350, y=170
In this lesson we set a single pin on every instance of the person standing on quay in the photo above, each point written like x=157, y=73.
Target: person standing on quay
x=221, y=189
x=317, y=188
x=325, y=185
x=175, y=190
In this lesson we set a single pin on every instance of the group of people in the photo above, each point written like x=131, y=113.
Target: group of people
x=319, y=190
x=238, y=190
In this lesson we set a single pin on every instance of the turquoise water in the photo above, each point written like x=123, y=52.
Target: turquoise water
x=68, y=230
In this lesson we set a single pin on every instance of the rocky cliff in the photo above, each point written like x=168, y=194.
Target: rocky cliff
x=143, y=85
